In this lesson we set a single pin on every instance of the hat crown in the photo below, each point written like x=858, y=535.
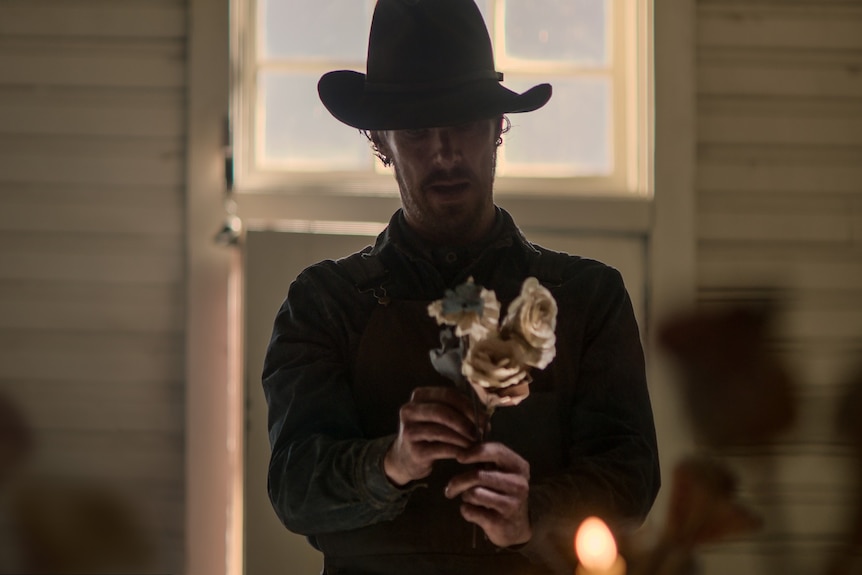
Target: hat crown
x=426, y=43
x=430, y=63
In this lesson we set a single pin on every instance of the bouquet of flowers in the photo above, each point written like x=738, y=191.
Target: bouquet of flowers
x=493, y=358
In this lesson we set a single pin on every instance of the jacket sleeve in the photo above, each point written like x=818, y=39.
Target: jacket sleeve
x=323, y=475
x=613, y=469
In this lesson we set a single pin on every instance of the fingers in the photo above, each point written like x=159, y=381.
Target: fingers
x=490, y=500
x=437, y=423
x=502, y=531
x=407, y=460
x=447, y=396
x=496, y=501
x=489, y=487
x=425, y=432
x=481, y=516
x=494, y=494
x=497, y=455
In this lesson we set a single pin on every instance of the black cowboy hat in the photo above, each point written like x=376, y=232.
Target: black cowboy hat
x=430, y=63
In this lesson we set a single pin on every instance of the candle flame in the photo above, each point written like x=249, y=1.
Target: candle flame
x=595, y=545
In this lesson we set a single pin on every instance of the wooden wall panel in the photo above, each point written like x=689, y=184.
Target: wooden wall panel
x=153, y=408
x=779, y=185
x=147, y=19
x=103, y=63
x=753, y=216
x=756, y=175
x=92, y=160
x=779, y=72
x=808, y=268
x=34, y=304
x=776, y=24
x=69, y=118
x=786, y=120
x=93, y=114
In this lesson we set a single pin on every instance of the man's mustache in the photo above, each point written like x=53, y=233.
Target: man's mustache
x=446, y=176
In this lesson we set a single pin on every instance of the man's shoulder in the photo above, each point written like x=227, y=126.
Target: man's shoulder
x=556, y=268
x=361, y=268
x=358, y=269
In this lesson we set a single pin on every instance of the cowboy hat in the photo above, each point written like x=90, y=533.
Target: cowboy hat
x=430, y=63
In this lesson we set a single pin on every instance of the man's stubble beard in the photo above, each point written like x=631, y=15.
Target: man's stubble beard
x=450, y=225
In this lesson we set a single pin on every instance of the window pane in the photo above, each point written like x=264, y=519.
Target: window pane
x=570, y=136
x=484, y=8
x=300, y=133
x=559, y=30
x=335, y=29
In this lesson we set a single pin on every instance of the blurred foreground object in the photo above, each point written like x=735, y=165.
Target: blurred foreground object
x=735, y=389
x=596, y=549
x=848, y=557
x=703, y=510
x=703, y=505
x=16, y=439
x=68, y=526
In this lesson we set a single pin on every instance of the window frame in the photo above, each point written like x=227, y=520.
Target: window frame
x=632, y=122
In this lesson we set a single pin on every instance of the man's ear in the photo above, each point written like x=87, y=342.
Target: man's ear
x=499, y=127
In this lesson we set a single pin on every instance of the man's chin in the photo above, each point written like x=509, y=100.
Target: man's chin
x=451, y=199
x=457, y=227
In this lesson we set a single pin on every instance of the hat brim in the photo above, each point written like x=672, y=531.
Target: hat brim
x=344, y=94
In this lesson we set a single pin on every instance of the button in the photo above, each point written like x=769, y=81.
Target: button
x=451, y=258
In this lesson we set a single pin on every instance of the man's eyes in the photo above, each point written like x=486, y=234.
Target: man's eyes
x=419, y=133
x=467, y=126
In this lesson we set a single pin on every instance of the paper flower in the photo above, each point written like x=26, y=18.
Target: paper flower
x=494, y=361
x=495, y=368
x=473, y=310
x=532, y=319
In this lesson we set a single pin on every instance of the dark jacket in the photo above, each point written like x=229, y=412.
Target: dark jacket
x=586, y=429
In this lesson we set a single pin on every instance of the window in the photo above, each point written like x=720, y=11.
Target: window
x=592, y=137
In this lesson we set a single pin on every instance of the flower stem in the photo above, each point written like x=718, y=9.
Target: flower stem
x=481, y=428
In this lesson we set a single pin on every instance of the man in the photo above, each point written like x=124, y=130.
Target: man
x=375, y=456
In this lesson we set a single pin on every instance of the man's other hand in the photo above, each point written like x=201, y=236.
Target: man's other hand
x=494, y=493
x=437, y=423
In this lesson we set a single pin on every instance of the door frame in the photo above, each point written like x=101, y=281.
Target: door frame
x=213, y=526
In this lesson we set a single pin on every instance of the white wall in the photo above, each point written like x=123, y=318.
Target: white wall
x=92, y=265
x=779, y=205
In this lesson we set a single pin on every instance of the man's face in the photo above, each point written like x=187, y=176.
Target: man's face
x=446, y=178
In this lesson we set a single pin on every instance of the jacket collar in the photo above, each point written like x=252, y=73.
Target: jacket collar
x=397, y=238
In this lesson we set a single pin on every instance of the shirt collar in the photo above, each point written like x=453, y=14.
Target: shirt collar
x=398, y=236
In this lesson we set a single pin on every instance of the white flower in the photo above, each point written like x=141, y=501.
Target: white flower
x=474, y=311
x=498, y=358
x=495, y=368
x=532, y=318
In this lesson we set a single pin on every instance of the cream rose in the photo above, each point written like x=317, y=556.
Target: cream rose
x=497, y=372
x=532, y=318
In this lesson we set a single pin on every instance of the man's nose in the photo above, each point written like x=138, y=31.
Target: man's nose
x=447, y=148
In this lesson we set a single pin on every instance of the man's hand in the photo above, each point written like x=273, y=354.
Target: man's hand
x=494, y=494
x=437, y=423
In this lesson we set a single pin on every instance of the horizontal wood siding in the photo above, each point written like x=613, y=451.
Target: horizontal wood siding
x=92, y=249
x=779, y=196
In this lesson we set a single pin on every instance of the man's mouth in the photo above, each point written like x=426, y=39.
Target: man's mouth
x=449, y=186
